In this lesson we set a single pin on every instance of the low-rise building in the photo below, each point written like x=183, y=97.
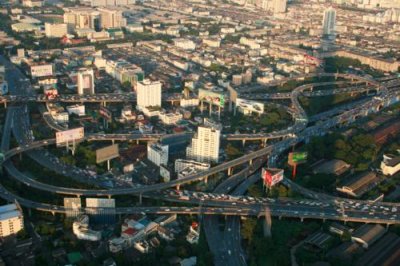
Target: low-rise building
x=55, y=30
x=368, y=234
x=339, y=229
x=81, y=230
x=170, y=118
x=317, y=240
x=11, y=220
x=359, y=184
x=181, y=164
x=134, y=28
x=77, y=109
x=193, y=236
x=334, y=166
x=185, y=44
x=390, y=165
x=383, y=252
x=191, y=102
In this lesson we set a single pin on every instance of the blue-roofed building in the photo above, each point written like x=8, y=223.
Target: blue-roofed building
x=11, y=220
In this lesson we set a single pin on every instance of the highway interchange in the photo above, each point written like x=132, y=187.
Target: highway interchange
x=219, y=202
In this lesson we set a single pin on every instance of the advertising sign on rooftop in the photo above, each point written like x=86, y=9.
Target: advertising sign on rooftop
x=69, y=136
x=297, y=158
x=212, y=97
x=107, y=153
x=271, y=176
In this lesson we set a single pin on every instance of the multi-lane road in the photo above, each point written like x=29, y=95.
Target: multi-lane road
x=324, y=207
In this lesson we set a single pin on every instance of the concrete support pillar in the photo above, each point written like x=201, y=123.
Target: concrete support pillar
x=206, y=180
x=243, y=142
x=264, y=142
x=112, y=141
x=210, y=110
x=108, y=165
x=109, y=196
x=178, y=187
x=5, y=104
x=302, y=219
x=387, y=226
x=267, y=228
x=53, y=213
x=251, y=162
x=137, y=142
x=230, y=171
x=201, y=106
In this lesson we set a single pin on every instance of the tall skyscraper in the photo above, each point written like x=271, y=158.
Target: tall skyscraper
x=329, y=22
x=205, y=144
x=85, y=81
x=148, y=93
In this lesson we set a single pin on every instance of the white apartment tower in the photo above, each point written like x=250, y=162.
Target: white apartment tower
x=329, y=21
x=11, y=220
x=205, y=144
x=148, y=93
x=157, y=153
x=85, y=80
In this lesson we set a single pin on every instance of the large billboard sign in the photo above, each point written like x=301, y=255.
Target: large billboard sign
x=107, y=153
x=69, y=136
x=42, y=70
x=271, y=176
x=296, y=158
x=250, y=106
x=215, y=98
x=87, y=81
x=106, y=113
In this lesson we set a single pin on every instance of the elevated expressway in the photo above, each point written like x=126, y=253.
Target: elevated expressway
x=362, y=110
x=332, y=208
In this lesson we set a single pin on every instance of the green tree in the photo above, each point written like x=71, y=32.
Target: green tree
x=248, y=227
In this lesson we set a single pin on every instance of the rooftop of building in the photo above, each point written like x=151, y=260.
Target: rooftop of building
x=369, y=233
x=384, y=252
x=9, y=211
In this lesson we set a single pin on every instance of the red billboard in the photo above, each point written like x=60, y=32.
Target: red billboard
x=271, y=176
